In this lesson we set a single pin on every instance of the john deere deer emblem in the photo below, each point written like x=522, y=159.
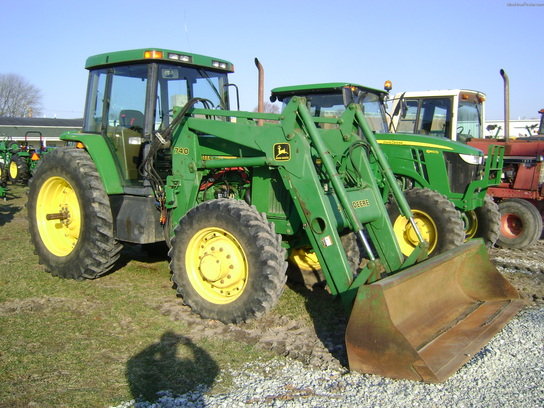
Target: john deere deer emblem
x=282, y=151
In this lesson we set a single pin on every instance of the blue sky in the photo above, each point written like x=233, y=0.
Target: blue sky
x=417, y=44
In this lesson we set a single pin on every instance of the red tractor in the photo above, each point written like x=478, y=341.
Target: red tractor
x=521, y=192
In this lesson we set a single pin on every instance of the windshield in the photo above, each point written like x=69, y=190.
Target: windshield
x=468, y=121
x=177, y=85
x=331, y=105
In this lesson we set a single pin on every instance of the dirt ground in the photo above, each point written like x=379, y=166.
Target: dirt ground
x=524, y=269
x=323, y=345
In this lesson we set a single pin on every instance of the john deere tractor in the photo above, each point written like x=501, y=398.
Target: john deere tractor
x=444, y=182
x=162, y=158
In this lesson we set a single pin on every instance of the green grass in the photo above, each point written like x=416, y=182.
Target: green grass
x=97, y=343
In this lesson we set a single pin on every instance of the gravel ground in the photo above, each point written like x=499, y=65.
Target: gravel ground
x=507, y=372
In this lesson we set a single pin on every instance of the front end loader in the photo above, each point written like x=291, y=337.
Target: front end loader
x=234, y=193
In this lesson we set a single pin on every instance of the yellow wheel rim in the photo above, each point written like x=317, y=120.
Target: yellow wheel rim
x=217, y=266
x=58, y=216
x=406, y=235
x=305, y=259
x=13, y=170
x=471, y=224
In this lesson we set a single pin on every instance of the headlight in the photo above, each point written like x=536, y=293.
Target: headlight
x=472, y=159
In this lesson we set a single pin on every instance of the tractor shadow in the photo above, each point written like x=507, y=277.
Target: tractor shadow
x=10, y=205
x=7, y=212
x=173, y=366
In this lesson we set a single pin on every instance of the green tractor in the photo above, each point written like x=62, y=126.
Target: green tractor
x=20, y=160
x=9, y=163
x=444, y=182
x=162, y=159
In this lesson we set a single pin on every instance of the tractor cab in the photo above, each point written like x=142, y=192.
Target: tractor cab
x=132, y=94
x=330, y=101
x=456, y=114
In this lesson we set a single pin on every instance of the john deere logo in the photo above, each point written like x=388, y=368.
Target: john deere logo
x=282, y=151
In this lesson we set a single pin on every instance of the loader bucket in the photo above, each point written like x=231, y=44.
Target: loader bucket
x=427, y=321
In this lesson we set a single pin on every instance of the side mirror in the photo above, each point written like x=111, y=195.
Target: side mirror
x=347, y=96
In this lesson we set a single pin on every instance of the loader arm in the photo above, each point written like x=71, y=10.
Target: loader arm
x=324, y=199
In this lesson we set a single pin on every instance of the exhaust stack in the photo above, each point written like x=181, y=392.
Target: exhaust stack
x=506, y=104
x=260, y=103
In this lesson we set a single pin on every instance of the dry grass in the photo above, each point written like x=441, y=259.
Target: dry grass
x=96, y=343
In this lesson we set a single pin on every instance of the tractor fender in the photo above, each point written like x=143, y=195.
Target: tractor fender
x=103, y=157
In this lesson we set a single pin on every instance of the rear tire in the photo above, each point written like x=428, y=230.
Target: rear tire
x=520, y=225
x=227, y=261
x=484, y=222
x=18, y=171
x=78, y=240
x=438, y=221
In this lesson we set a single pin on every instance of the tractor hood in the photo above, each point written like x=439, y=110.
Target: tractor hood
x=429, y=142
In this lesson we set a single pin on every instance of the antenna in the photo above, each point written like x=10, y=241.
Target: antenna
x=187, y=31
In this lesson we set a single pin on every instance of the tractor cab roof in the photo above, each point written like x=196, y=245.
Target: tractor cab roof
x=278, y=94
x=157, y=54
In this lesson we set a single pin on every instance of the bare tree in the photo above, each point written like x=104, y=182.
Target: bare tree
x=18, y=97
x=269, y=108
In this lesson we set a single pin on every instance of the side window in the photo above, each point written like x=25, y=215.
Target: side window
x=94, y=107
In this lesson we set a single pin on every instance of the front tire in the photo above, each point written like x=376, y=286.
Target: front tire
x=484, y=222
x=437, y=219
x=227, y=261
x=520, y=225
x=70, y=219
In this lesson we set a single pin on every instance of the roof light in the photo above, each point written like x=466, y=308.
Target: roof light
x=388, y=85
x=541, y=111
x=152, y=54
x=464, y=97
x=180, y=57
x=219, y=64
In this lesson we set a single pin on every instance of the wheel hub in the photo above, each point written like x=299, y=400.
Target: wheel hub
x=219, y=272
x=511, y=225
x=13, y=170
x=58, y=216
x=408, y=236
